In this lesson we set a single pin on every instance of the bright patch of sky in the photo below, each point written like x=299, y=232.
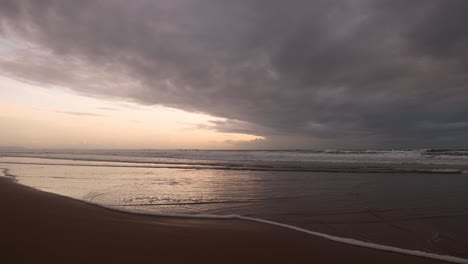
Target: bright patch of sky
x=34, y=116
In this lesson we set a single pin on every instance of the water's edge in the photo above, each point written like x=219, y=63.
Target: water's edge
x=6, y=173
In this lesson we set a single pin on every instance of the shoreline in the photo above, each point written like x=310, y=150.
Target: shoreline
x=44, y=227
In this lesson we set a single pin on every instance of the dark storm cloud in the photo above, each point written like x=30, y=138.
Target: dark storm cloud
x=325, y=73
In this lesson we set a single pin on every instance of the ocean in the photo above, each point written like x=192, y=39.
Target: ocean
x=411, y=199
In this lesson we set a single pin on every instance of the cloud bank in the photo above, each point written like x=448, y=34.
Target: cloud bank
x=357, y=73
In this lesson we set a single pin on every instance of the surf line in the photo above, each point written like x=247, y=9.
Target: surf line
x=7, y=174
x=349, y=241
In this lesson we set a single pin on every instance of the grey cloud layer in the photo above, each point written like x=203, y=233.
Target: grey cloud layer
x=327, y=73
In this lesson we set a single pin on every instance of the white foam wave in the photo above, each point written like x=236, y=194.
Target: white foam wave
x=228, y=166
x=344, y=240
x=446, y=170
x=421, y=156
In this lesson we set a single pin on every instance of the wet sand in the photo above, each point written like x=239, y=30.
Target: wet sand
x=39, y=227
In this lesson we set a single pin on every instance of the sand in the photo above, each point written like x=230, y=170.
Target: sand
x=39, y=227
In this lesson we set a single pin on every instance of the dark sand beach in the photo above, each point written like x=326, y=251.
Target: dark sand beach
x=39, y=227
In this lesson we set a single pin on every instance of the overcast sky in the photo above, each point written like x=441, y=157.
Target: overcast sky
x=290, y=74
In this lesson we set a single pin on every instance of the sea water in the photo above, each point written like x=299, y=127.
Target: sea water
x=412, y=199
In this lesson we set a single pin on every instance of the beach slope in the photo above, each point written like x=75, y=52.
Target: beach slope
x=39, y=227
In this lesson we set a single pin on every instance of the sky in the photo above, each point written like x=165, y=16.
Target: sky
x=234, y=74
x=33, y=116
